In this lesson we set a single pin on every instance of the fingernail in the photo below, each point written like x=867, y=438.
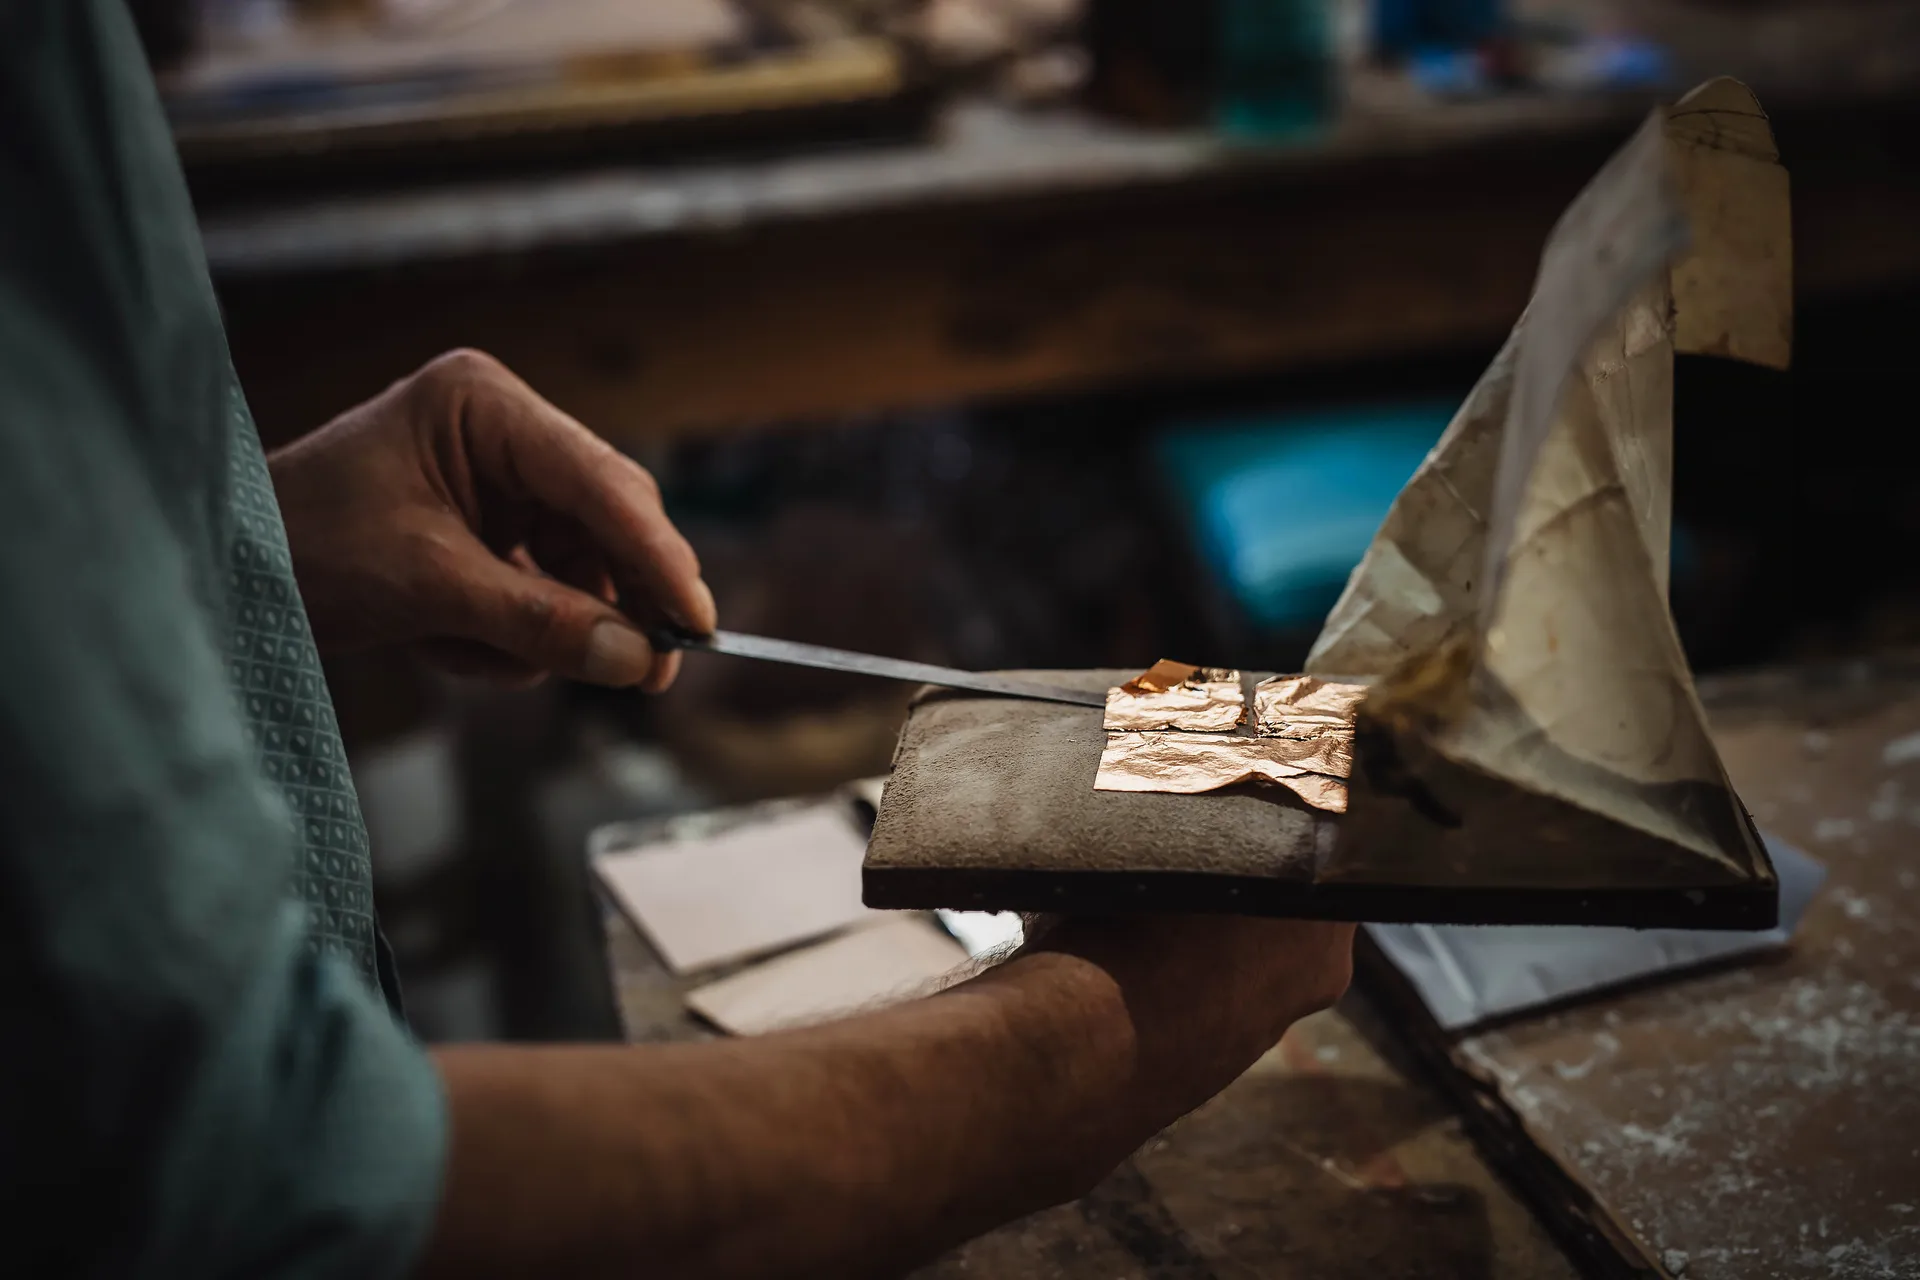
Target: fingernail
x=617, y=655
x=702, y=620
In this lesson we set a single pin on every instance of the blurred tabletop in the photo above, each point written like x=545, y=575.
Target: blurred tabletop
x=1764, y=1112
x=1764, y=1118
x=1000, y=251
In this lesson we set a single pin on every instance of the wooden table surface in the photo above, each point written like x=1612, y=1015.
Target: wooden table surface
x=1763, y=1120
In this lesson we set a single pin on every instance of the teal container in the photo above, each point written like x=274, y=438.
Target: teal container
x=1283, y=507
x=1277, y=78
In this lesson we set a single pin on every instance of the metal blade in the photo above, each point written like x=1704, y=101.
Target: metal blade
x=796, y=654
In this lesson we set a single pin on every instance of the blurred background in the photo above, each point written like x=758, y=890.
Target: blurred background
x=998, y=333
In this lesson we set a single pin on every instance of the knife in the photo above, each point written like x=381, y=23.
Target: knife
x=793, y=653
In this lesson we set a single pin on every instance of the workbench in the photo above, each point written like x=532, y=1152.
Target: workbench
x=1014, y=253
x=1763, y=1119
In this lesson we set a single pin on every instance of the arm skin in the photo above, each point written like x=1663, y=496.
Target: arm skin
x=865, y=1146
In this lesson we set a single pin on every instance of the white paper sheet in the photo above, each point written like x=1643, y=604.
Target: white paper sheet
x=746, y=891
x=895, y=960
x=983, y=932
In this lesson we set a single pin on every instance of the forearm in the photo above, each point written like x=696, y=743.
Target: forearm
x=850, y=1149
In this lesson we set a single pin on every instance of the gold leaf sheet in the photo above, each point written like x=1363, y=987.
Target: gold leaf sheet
x=1192, y=763
x=1172, y=695
x=1305, y=707
x=1162, y=676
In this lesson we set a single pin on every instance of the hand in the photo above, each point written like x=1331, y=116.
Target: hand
x=459, y=512
x=1206, y=995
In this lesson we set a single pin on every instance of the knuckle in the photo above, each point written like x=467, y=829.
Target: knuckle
x=667, y=549
x=454, y=374
x=465, y=364
x=643, y=479
x=538, y=619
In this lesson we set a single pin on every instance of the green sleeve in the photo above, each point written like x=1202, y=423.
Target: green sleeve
x=186, y=1087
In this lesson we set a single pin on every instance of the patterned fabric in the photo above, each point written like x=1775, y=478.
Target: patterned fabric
x=226, y=1095
x=276, y=676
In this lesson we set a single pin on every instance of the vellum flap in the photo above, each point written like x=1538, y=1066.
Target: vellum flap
x=1533, y=720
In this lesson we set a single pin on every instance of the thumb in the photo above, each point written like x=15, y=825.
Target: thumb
x=547, y=625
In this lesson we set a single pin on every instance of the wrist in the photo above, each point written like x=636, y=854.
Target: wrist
x=1066, y=1039
x=1204, y=996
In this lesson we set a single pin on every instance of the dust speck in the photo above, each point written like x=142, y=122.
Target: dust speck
x=1666, y=1142
x=1901, y=751
x=1856, y=906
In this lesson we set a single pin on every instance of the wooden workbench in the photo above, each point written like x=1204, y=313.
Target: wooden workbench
x=1764, y=1119
x=1004, y=254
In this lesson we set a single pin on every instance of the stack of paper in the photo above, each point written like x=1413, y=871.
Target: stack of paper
x=760, y=889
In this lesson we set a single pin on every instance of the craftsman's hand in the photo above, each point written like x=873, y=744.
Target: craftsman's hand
x=459, y=512
x=1205, y=996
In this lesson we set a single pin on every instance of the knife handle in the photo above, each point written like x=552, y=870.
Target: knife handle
x=666, y=639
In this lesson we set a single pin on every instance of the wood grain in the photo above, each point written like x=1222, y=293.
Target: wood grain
x=1764, y=1118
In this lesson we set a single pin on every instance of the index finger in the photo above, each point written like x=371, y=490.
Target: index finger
x=552, y=459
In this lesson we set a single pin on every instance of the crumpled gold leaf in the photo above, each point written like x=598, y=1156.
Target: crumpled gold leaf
x=1173, y=695
x=1161, y=676
x=1190, y=763
x=1305, y=707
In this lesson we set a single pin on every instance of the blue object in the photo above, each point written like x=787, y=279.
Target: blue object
x=1452, y=73
x=1630, y=64
x=1402, y=28
x=1284, y=507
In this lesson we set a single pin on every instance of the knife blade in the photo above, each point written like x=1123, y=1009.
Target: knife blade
x=793, y=653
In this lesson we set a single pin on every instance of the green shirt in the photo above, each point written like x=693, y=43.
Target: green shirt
x=200, y=1076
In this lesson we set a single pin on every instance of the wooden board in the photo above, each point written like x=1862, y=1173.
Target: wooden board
x=680, y=88
x=991, y=807
x=1764, y=1119
x=655, y=107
